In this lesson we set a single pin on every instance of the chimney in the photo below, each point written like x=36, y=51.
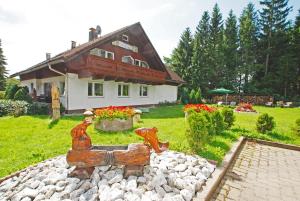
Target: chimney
x=73, y=44
x=92, y=34
x=48, y=56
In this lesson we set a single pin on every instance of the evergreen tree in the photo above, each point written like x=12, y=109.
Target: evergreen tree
x=274, y=43
x=200, y=59
x=230, y=51
x=3, y=71
x=296, y=50
x=216, y=49
x=273, y=19
x=248, y=37
x=181, y=58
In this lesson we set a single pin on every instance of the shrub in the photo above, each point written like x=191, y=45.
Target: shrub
x=198, y=97
x=265, y=123
x=218, y=121
x=23, y=94
x=15, y=108
x=11, y=91
x=197, y=133
x=296, y=128
x=229, y=117
x=2, y=94
x=38, y=108
x=192, y=96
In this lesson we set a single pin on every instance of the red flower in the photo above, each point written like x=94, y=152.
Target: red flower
x=198, y=108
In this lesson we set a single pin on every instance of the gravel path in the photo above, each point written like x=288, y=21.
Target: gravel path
x=171, y=176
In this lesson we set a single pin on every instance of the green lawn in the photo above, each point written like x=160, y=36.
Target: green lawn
x=29, y=139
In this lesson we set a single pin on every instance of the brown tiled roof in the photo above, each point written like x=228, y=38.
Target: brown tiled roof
x=174, y=77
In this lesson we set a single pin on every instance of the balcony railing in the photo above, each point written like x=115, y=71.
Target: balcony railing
x=112, y=68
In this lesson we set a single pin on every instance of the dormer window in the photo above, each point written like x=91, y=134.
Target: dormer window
x=125, y=38
x=102, y=53
x=127, y=59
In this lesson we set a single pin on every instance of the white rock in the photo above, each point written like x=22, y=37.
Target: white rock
x=205, y=171
x=116, y=194
x=35, y=184
x=76, y=193
x=167, y=188
x=131, y=197
x=180, y=167
x=26, y=199
x=131, y=185
x=116, y=179
x=109, y=174
x=174, y=198
x=160, y=191
x=186, y=194
x=104, y=168
x=158, y=180
x=141, y=180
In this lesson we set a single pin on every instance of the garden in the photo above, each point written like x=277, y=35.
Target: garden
x=22, y=145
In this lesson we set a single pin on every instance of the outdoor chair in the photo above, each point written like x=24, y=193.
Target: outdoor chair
x=279, y=103
x=232, y=103
x=288, y=104
x=220, y=103
x=269, y=104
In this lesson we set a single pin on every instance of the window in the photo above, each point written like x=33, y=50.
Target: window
x=123, y=90
x=102, y=53
x=144, y=64
x=61, y=88
x=127, y=59
x=143, y=91
x=141, y=63
x=95, y=89
x=125, y=38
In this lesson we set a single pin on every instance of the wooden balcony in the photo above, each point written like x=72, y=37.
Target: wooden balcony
x=101, y=68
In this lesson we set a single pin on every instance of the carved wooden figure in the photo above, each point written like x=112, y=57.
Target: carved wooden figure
x=55, y=102
x=85, y=156
x=150, y=137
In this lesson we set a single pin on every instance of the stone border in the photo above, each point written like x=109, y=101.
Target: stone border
x=213, y=183
x=217, y=176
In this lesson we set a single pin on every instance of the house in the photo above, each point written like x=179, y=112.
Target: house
x=119, y=68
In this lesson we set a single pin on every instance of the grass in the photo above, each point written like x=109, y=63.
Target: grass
x=27, y=140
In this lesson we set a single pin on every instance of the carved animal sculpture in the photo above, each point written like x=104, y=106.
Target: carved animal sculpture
x=80, y=139
x=150, y=138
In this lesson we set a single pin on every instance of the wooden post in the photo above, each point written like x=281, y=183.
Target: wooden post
x=55, y=102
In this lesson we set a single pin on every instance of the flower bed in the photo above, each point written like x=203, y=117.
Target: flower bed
x=114, y=118
x=245, y=107
x=198, y=108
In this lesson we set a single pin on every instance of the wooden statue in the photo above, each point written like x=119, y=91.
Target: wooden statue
x=55, y=102
x=151, y=139
x=134, y=157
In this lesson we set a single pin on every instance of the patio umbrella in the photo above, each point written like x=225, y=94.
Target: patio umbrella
x=221, y=91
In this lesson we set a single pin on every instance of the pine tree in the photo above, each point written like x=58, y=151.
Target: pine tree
x=296, y=50
x=3, y=71
x=273, y=20
x=181, y=58
x=230, y=51
x=200, y=59
x=216, y=48
x=248, y=37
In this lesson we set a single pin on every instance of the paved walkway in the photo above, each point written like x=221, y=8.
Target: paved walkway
x=262, y=172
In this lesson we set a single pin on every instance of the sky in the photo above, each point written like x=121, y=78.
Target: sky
x=29, y=29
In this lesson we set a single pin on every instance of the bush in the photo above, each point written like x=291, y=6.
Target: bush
x=23, y=95
x=14, y=108
x=198, y=96
x=265, y=123
x=11, y=91
x=2, y=94
x=296, y=128
x=197, y=133
x=218, y=122
x=229, y=117
x=192, y=97
x=38, y=108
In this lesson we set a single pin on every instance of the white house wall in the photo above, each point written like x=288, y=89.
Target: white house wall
x=38, y=84
x=78, y=94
